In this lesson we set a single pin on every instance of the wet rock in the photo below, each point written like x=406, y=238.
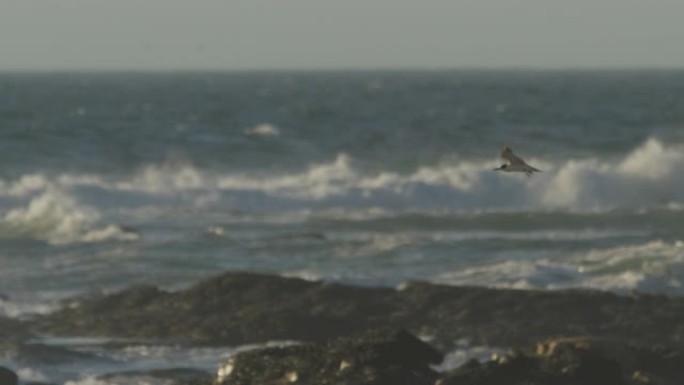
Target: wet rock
x=232, y=309
x=521, y=317
x=386, y=356
x=32, y=354
x=8, y=377
x=12, y=334
x=635, y=360
x=13, y=330
x=185, y=376
x=576, y=361
x=241, y=308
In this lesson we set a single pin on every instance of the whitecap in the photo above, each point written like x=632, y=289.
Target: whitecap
x=52, y=216
x=264, y=129
x=646, y=177
x=109, y=233
x=654, y=266
x=57, y=218
x=12, y=308
x=87, y=380
x=30, y=375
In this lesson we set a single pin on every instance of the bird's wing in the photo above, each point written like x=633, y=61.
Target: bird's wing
x=507, y=154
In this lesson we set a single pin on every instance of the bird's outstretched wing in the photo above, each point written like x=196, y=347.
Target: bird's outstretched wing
x=507, y=154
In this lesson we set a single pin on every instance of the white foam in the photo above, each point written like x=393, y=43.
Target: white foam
x=57, y=218
x=31, y=375
x=461, y=355
x=536, y=235
x=318, y=182
x=12, y=309
x=87, y=380
x=655, y=266
x=264, y=129
x=508, y=274
x=108, y=233
x=647, y=177
x=53, y=217
x=165, y=179
x=25, y=185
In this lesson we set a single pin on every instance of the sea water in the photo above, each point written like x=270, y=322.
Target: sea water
x=369, y=178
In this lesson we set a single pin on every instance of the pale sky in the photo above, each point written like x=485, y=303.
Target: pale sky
x=340, y=34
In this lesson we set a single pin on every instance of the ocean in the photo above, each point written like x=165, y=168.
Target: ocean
x=363, y=177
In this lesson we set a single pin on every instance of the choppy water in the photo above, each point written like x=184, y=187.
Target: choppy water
x=366, y=177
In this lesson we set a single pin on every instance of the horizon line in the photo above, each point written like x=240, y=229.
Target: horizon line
x=189, y=70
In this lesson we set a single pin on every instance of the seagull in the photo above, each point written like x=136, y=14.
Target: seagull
x=514, y=164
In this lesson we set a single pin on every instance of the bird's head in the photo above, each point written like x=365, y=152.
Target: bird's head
x=502, y=167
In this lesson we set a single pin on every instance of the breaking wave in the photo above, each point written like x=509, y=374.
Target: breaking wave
x=264, y=129
x=69, y=208
x=655, y=266
x=57, y=218
x=649, y=176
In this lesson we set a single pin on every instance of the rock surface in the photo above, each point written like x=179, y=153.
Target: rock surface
x=180, y=376
x=378, y=357
x=12, y=331
x=8, y=377
x=630, y=339
x=576, y=361
x=240, y=308
x=396, y=358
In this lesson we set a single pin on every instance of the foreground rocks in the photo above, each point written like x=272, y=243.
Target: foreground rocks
x=8, y=377
x=576, y=361
x=241, y=308
x=398, y=358
x=357, y=335
x=377, y=357
x=12, y=332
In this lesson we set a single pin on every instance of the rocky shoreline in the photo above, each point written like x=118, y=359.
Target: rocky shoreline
x=362, y=335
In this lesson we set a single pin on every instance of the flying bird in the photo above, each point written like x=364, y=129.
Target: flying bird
x=514, y=164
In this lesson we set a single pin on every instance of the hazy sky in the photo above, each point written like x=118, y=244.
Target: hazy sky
x=265, y=34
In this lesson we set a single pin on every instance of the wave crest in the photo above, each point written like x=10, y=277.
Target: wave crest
x=655, y=266
x=57, y=218
x=648, y=177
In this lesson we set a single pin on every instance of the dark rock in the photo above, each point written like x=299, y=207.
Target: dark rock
x=571, y=367
x=646, y=361
x=38, y=354
x=506, y=370
x=375, y=358
x=12, y=334
x=186, y=376
x=575, y=361
x=233, y=309
x=8, y=377
x=522, y=317
x=12, y=330
x=239, y=308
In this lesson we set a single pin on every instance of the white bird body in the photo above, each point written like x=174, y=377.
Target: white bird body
x=515, y=164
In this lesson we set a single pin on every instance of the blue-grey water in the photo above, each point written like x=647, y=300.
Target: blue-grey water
x=373, y=178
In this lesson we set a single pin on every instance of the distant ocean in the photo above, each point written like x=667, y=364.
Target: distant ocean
x=370, y=178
